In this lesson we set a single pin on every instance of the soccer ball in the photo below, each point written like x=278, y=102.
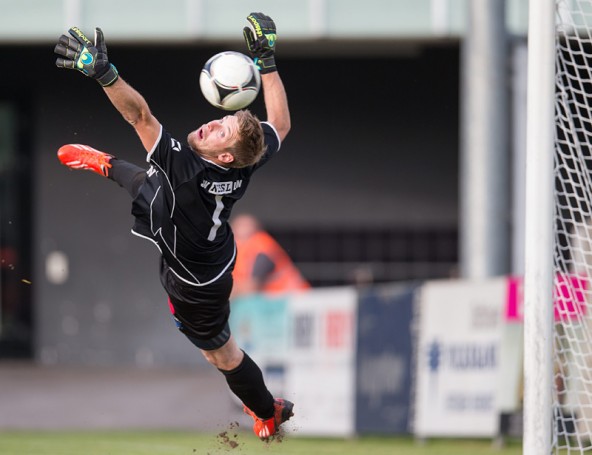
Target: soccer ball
x=230, y=80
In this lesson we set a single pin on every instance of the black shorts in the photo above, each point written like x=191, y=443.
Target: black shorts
x=200, y=312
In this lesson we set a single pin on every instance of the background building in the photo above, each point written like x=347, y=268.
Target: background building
x=370, y=172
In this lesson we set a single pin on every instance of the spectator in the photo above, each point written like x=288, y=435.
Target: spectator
x=262, y=265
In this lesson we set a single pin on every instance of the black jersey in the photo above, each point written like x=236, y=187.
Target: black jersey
x=184, y=205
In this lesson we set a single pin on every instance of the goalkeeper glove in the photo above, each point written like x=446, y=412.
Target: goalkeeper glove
x=80, y=54
x=260, y=37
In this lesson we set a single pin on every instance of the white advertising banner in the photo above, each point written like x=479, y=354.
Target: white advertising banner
x=460, y=329
x=305, y=345
x=320, y=372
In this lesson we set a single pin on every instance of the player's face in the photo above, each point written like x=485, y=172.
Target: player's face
x=214, y=137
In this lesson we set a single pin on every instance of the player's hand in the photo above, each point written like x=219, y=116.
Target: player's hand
x=260, y=37
x=79, y=53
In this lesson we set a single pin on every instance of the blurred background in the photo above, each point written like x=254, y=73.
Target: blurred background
x=400, y=168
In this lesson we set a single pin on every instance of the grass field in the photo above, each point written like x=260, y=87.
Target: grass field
x=230, y=442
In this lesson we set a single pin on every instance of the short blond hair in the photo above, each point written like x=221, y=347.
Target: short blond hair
x=250, y=145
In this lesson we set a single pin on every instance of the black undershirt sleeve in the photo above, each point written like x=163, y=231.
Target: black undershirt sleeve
x=262, y=268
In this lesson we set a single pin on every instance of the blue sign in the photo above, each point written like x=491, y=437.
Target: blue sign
x=383, y=364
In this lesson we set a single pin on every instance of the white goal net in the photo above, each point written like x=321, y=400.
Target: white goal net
x=572, y=335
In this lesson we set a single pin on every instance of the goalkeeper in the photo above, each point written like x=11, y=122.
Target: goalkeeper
x=182, y=203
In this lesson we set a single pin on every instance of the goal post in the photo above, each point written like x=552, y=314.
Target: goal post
x=539, y=229
x=558, y=245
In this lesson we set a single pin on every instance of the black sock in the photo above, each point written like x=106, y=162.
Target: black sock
x=246, y=382
x=127, y=175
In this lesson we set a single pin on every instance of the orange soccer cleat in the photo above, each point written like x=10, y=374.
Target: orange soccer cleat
x=78, y=156
x=264, y=429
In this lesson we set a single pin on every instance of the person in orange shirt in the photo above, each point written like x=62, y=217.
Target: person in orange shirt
x=262, y=265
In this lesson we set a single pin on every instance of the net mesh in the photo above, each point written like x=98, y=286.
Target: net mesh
x=572, y=423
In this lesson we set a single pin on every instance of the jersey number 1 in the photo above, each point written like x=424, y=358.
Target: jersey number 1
x=216, y=218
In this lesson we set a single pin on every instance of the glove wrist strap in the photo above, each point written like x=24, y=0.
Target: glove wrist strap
x=265, y=65
x=109, y=77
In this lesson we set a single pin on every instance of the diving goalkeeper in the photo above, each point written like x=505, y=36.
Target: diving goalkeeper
x=182, y=203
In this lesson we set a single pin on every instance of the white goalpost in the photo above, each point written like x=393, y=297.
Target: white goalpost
x=558, y=269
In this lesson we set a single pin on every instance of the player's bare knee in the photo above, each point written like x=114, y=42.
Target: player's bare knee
x=226, y=358
x=210, y=357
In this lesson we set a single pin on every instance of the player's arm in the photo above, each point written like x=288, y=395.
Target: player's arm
x=134, y=109
x=78, y=52
x=260, y=37
x=276, y=103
